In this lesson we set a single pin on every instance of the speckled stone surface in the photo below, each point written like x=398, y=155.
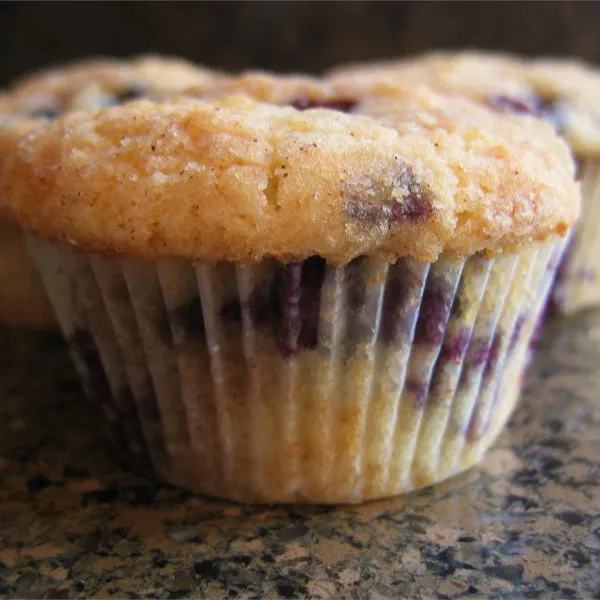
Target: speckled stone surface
x=527, y=525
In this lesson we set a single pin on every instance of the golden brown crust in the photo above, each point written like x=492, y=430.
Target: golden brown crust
x=415, y=173
x=90, y=84
x=571, y=86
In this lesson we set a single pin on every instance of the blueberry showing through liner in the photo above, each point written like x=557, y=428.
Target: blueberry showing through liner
x=454, y=348
x=341, y=105
x=418, y=389
x=356, y=287
x=190, y=320
x=433, y=315
x=264, y=304
x=395, y=318
x=493, y=355
x=313, y=274
x=231, y=311
x=516, y=334
x=360, y=326
x=291, y=320
x=120, y=411
x=300, y=298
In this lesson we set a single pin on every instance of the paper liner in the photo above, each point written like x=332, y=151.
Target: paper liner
x=23, y=301
x=578, y=278
x=302, y=382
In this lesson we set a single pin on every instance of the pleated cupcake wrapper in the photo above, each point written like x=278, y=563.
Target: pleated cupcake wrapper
x=578, y=279
x=301, y=382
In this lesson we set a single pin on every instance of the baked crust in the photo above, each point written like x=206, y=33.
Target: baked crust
x=409, y=172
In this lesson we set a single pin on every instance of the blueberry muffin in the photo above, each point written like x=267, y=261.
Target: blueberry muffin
x=325, y=301
x=565, y=93
x=44, y=96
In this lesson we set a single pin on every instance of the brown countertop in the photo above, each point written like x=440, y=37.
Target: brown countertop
x=526, y=525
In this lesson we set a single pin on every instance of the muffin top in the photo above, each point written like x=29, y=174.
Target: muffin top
x=259, y=166
x=564, y=92
x=98, y=82
x=45, y=95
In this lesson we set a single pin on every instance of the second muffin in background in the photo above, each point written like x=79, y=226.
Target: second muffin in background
x=45, y=95
x=563, y=92
x=277, y=305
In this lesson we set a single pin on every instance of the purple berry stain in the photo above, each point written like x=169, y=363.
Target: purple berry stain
x=190, y=320
x=120, y=411
x=300, y=298
x=533, y=106
x=455, y=347
x=355, y=285
x=493, y=355
x=395, y=322
x=516, y=333
x=402, y=199
x=433, y=316
x=291, y=321
x=418, y=390
x=313, y=274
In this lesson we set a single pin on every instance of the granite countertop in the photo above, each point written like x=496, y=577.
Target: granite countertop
x=527, y=524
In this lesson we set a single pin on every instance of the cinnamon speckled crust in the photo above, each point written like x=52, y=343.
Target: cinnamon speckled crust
x=415, y=174
x=571, y=86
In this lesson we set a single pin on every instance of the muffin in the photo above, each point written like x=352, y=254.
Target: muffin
x=295, y=304
x=44, y=96
x=565, y=93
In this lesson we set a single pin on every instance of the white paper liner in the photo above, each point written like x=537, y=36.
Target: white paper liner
x=578, y=279
x=304, y=382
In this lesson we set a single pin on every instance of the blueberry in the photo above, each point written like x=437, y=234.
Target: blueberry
x=300, y=298
x=418, y=389
x=455, y=347
x=433, y=315
x=131, y=92
x=415, y=205
x=49, y=113
x=516, y=333
x=341, y=105
x=493, y=355
x=534, y=106
x=264, y=304
x=356, y=287
x=397, y=314
x=189, y=319
x=313, y=274
x=291, y=319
